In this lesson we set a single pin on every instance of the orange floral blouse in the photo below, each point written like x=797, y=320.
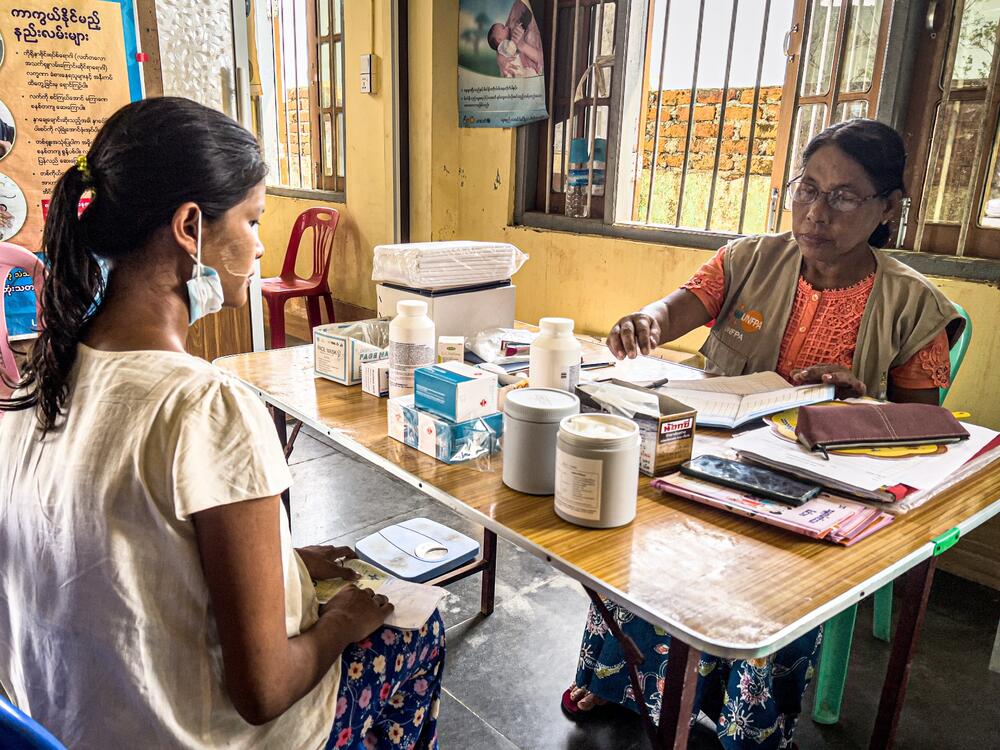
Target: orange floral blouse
x=823, y=328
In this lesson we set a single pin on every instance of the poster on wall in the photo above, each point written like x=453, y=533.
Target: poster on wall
x=501, y=68
x=64, y=69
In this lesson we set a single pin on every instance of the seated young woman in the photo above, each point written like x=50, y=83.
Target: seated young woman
x=819, y=304
x=151, y=594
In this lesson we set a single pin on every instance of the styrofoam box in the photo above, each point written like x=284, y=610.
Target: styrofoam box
x=456, y=312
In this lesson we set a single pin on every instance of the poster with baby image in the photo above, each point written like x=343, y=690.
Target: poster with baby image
x=501, y=68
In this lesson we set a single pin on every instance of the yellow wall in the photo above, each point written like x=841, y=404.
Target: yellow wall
x=462, y=187
x=366, y=219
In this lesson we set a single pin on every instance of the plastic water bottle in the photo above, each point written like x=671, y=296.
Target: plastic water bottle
x=600, y=166
x=411, y=345
x=577, y=180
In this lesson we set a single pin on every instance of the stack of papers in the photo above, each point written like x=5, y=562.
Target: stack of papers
x=834, y=519
x=446, y=265
x=414, y=602
x=902, y=483
x=734, y=401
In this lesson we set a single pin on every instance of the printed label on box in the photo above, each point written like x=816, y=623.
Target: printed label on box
x=331, y=357
x=427, y=441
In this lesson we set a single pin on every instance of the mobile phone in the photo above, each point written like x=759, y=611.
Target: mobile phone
x=753, y=479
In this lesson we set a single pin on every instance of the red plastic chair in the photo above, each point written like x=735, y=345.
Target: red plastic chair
x=11, y=257
x=278, y=290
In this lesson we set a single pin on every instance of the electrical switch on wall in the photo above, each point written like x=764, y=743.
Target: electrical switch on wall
x=369, y=72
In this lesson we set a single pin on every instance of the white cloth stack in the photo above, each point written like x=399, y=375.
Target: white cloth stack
x=993, y=208
x=446, y=265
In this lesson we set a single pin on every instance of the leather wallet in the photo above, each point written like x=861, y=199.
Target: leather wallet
x=870, y=425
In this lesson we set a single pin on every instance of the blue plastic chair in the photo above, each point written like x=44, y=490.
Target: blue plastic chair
x=18, y=731
x=838, y=632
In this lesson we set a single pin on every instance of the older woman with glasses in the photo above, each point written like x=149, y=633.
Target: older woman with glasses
x=818, y=304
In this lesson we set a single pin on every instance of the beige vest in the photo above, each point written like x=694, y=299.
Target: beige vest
x=905, y=311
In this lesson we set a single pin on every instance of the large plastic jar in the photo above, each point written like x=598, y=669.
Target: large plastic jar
x=554, y=359
x=531, y=418
x=597, y=470
x=411, y=345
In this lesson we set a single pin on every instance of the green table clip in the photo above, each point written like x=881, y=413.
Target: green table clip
x=947, y=540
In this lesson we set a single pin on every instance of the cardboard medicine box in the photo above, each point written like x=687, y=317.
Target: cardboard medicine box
x=341, y=348
x=666, y=438
x=446, y=441
x=456, y=391
x=375, y=378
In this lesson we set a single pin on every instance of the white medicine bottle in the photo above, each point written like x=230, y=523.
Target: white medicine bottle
x=554, y=361
x=411, y=345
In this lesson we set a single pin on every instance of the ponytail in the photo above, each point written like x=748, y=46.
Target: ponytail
x=72, y=287
x=139, y=177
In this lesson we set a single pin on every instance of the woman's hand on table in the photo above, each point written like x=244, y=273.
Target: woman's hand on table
x=324, y=562
x=845, y=381
x=635, y=334
x=356, y=612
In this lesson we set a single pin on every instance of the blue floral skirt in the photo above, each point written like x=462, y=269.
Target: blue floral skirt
x=390, y=688
x=755, y=703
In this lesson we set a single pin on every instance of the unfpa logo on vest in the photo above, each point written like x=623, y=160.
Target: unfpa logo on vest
x=750, y=321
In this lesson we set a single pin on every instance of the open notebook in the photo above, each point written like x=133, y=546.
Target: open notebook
x=734, y=401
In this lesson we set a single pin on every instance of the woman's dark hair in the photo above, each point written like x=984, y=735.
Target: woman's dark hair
x=877, y=148
x=148, y=159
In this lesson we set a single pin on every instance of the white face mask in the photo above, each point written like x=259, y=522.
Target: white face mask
x=204, y=287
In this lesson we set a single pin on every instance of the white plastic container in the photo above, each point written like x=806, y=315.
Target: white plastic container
x=531, y=418
x=554, y=361
x=597, y=470
x=411, y=345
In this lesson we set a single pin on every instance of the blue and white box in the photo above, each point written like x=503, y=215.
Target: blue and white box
x=455, y=391
x=339, y=349
x=438, y=437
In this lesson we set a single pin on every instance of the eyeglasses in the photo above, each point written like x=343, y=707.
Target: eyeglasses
x=843, y=201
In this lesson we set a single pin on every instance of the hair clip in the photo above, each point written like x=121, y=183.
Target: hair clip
x=83, y=168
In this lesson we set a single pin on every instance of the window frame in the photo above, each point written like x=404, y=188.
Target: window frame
x=272, y=119
x=892, y=82
x=929, y=89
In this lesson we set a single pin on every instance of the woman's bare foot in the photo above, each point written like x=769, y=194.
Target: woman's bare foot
x=584, y=699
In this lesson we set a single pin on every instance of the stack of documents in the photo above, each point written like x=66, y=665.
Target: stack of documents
x=834, y=519
x=734, y=401
x=902, y=483
x=446, y=265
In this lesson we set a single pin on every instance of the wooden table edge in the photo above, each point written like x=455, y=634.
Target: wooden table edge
x=720, y=648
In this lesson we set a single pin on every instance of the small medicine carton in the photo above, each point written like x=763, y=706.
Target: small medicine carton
x=446, y=441
x=375, y=378
x=455, y=391
x=666, y=434
x=341, y=348
x=451, y=349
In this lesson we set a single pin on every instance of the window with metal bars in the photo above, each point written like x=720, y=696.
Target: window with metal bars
x=706, y=105
x=297, y=92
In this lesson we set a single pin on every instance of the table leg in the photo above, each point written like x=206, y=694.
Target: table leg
x=678, y=695
x=995, y=658
x=916, y=591
x=633, y=658
x=281, y=426
x=489, y=572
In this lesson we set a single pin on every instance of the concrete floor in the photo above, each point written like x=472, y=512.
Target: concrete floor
x=505, y=674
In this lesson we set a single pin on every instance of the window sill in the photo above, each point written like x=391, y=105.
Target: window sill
x=638, y=232
x=982, y=270
x=327, y=196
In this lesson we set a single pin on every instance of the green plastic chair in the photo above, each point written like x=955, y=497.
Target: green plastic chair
x=838, y=632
